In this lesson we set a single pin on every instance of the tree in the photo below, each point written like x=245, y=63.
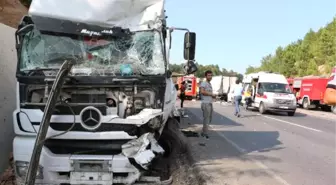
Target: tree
x=178, y=68
x=317, y=50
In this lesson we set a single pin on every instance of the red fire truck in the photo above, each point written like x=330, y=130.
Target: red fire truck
x=191, y=86
x=310, y=92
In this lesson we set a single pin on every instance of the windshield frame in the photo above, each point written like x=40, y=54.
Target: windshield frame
x=20, y=48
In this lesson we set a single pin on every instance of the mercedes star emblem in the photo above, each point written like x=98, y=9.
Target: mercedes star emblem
x=90, y=118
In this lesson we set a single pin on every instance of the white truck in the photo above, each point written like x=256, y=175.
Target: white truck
x=221, y=86
x=94, y=92
x=271, y=93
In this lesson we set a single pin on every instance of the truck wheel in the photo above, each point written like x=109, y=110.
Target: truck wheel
x=333, y=109
x=305, y=103
x=262, y=108
x=290, y=113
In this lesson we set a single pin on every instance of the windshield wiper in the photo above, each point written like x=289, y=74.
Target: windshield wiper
x=61, y=59
x=37, y=71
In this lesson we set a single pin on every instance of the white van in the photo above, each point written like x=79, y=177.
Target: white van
x=272, y=93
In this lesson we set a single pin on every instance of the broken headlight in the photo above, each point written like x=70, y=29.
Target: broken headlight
x=21, y=170
x=155, y=123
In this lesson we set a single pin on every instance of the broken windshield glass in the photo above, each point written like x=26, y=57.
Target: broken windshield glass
x=140, y=53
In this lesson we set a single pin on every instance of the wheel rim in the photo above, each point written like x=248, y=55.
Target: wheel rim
x=305, y=104
x=333, y=109
x=262, y=108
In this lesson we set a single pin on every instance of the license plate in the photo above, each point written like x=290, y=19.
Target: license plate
x=282, y=107
x=103, y=178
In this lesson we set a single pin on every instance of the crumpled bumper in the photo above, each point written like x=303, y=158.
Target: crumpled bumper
x=124, y=168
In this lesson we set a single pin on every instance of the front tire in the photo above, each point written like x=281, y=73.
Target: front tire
x=333, y=109
x=262, y=109
x=305, y=103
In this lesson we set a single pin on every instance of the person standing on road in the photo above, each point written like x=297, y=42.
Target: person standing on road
x=206, y=102
x=182, y=92
x=237, y=93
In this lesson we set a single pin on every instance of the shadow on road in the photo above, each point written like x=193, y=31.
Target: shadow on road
x=297, y=114
x=248, y=146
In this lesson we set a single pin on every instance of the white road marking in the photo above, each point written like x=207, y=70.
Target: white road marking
x=258, y=163
x=294, y=124
x=290, y=123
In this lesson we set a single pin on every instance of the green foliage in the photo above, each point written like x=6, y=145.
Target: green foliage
x=303, y=57
x=178, y=68
x=26, y=3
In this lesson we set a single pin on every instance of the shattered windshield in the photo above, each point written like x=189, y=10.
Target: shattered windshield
x=139, y=53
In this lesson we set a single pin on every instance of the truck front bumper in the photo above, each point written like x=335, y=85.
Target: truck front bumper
x=76, y=169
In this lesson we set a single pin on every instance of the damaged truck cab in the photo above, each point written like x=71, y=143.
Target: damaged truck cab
x=115, y=100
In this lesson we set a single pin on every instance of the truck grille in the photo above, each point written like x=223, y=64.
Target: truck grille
x=88, y=147
x=283, y=102
x=105, y=127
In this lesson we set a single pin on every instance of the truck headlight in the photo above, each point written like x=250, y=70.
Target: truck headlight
x=21, y=170
x=155, y=123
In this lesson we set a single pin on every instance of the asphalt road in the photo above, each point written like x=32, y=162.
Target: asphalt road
x=297, y=150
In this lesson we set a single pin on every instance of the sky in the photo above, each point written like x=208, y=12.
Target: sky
x=238, y=33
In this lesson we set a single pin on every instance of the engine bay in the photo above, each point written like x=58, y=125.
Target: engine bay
x=122, y=101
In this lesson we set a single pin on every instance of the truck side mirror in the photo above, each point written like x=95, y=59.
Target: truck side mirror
x=25, y=29
x=190, y=67
x=189, y=45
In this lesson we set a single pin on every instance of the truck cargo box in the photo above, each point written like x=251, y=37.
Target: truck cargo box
x=313, y=88
x=141, y=14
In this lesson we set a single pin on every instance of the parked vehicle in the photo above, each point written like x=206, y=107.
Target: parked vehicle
x=191, y=86
x=271, y=93
x=221, y=86
x=310, y=92
x=330, y=93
